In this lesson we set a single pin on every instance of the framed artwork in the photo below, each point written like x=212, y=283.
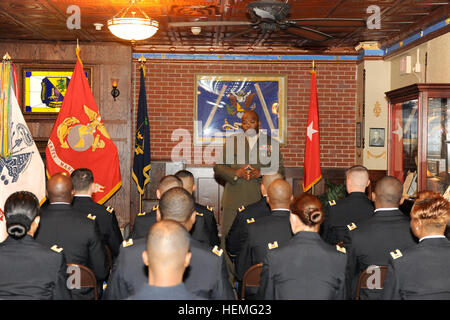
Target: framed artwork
x=221, y=100
x=376, y=137
x=44, y=88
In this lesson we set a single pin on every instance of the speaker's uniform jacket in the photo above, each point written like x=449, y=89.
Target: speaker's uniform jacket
x=419, y=272
x=354, y=208
x=105, y=218
x=305, y=268
x=371, y=242
x=205, y=276
x=31, y=271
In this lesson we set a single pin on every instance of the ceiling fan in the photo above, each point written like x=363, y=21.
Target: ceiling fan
x=270, y=16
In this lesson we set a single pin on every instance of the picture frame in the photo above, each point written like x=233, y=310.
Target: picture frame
x=44, y=87
x=377, y=137
x=220, y=100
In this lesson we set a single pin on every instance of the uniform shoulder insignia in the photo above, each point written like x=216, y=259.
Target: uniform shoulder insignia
x=209, y=208
x=340, y=249
x=250, y=220
x=91, y=216
x=56, y=249
x=199, y=214
x=272, y=245
x=332, y=203
x=217, y=251
x=127, y=243
x=105, y=285
x=241, y=209
x=110, y=209
x=351, y=226
x=155, y=207
x=396, y=254
x=140, y=214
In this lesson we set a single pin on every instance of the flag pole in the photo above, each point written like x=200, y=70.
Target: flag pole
x=142, y=61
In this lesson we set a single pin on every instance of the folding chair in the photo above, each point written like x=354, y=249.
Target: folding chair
x=87, y=278
x=251, y=278
x=363, y=278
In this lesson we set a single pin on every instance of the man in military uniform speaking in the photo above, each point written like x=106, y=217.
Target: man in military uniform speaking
x=246, y=156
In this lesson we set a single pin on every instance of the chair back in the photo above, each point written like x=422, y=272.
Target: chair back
x=87, y=277
x=373, y=275
x=251, y=278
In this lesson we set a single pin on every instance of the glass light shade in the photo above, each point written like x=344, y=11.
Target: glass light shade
x=133, y=28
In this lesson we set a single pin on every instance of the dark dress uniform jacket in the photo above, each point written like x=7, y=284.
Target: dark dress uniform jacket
x=63, y=226
x=263, y=235
x=205, y=276
x=177, y=292
x=420, y=272
x=238, y=232
x=371, y=242
x=354, y=208
x=30, y=271
x=142, y=223
x=305, y=268
x=106, y=220
x=205, y=227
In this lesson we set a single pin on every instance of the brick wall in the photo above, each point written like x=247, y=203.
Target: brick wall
x=170, y=100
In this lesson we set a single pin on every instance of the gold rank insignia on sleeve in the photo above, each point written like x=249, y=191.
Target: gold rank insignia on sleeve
x=217, y=251
x=272, y=245
x=199, y=214
x=128, y=243
x=396, y=254
x=209, y=208
x=91, y=216
x=110, y=209
x=241, y=209
x=351, y=226
x=332, y=203
x=56, y=249
x=250, y=220
x=340, y=249
x=155, y=207
x=142, y=214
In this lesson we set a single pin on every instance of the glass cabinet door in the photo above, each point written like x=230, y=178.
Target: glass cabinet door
x=438, y=150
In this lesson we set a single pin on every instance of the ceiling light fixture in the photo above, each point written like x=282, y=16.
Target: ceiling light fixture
x=132, y=27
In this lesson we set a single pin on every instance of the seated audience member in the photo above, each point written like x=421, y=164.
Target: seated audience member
x=306, y=267
x=64, y=228
x=84, y=187
x=27, y=269
x=144, y=220
x=206, y=275
x=267, y=233
x=205, y=227
x=371, y=242
x=167, y=256
x=422, y=271
x=354, y=208
x=236, y=236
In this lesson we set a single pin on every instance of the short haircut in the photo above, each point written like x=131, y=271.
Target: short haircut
x=168, y=182
x=186, y=177
x=309, y=209
x=21, y=208
x=267, y=179
x=432, y=209
x=389, y=190
x=279, y=192
x=167, y=244
x=176, y=204
x=359, y=175
x=82, y=179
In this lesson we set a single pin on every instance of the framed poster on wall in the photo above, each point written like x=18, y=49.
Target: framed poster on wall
x=222, y=99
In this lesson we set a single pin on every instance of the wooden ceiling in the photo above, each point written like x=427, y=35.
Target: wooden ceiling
x=45, y=20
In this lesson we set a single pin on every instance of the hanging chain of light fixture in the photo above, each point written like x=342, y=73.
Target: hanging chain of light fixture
x=132, y=28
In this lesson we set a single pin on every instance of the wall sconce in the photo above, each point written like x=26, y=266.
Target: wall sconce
x=115, y=92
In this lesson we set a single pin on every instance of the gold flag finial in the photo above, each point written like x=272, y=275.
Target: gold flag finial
x=142, y=61
x=7, y=56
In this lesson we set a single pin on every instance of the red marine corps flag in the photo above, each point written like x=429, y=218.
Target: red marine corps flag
x=311, y=167
x=79, y=138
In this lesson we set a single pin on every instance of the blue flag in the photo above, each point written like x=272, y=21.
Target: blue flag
x=141, y=162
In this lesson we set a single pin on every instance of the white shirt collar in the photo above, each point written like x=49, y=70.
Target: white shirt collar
x=252, y=140
x=60, y=203
x=385, y=209
x=432, y=237
x=281, y=209
x=82, y=195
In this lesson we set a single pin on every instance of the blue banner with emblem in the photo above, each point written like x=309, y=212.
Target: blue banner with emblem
x=141, y=162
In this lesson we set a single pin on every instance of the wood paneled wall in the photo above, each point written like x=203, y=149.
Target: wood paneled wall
x=107, y=60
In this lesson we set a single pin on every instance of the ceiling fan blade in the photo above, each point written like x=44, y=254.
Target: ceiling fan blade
x=238, y=34
x=330, y=22
x=307, y=33
x=209, y=23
